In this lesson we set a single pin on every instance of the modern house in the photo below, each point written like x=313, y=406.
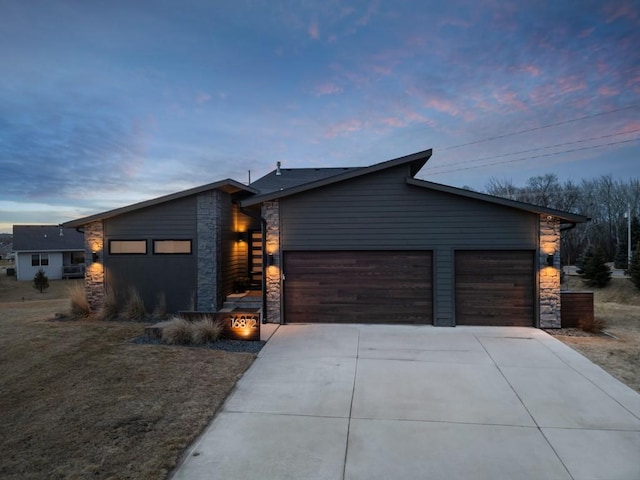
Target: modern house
x=59, y=252
x=357, y=245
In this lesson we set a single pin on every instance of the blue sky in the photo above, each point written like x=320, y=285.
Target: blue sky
x=103, y=104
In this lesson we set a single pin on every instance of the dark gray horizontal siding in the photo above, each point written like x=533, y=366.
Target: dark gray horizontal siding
x=174, y=220
x=382, y=211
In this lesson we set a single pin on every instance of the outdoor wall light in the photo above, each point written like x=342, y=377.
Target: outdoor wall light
x=95, y=257
x=241, y=237
x=271, y=260
x=550, y=259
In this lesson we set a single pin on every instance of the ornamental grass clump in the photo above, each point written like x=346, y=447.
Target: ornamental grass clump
x=205, y=331
x=592, y=325
x=160, y=311
x=109, y=309
x=134, y=309
x=177, y=331
x=79, y=304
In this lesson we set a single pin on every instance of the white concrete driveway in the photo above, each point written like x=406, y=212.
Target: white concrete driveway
x=381, y=402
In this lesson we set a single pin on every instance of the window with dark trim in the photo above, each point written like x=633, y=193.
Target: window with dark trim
x=172, y=247
x=39, y=259
x=127, y=247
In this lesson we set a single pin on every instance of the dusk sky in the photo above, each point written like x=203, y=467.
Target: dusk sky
x=106, y=103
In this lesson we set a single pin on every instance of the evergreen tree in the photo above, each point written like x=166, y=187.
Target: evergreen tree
x=634, y=268
x=40, y=281
x=596, y=272
x=620, y=261
x=583, y=260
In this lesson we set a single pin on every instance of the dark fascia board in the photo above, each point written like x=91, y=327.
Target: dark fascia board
x=415, y=160
x=565, y=217
x=228, y=186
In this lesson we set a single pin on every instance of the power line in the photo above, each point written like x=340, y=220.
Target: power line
x=535, y=156
x=564, y=122
x=544, y=148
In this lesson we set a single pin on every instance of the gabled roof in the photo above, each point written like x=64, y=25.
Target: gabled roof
x=565, y=217
x=228, y=186
x=46, y=238
x=415, y=161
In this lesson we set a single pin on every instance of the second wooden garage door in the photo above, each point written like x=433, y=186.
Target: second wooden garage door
x=358, y=287
x=494, y=288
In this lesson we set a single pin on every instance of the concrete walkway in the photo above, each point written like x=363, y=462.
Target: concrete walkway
x=383, y=402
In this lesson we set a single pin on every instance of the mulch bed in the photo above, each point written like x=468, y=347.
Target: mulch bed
x=223, y=344
x=572, y=332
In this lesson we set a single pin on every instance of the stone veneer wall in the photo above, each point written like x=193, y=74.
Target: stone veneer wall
x=209, y=239
x=94, y=271
x=549, y=276
x=273, y=276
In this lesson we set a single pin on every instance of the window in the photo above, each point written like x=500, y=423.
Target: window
x=171, y=247
x=39, y=259
x=127, y=247
x=77, y=258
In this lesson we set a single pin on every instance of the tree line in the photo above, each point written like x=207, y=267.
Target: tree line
x=606, y=201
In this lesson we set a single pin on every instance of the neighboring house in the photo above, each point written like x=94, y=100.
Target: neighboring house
x=355, y=245
x=59, y=252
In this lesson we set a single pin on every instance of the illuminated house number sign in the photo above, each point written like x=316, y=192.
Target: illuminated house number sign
x=242, y=325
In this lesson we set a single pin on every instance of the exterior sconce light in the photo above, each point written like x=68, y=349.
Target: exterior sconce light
x=241, y=237
x=95, y=257
x=271, y=260
x=550, y=259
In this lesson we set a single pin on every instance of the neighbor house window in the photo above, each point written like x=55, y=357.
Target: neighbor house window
x=39, y=259
x=171, y=247
x=77, y=258
x=127, y=247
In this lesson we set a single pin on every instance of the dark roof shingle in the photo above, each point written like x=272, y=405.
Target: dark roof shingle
x=46, y=238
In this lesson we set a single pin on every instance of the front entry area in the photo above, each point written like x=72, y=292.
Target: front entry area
x=358, y=287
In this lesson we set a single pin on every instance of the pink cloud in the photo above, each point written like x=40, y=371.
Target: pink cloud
x=353, y=125
x=631, y=127
x=454, y=22
x=203, y=98
x=404, y=117
x=509, y=98
x=382, y=70
x=571, y=83
x=586, y=32
x=531, y=70
x=448, y=107
x=616, y=10
x=328, y=88
x=313, y=30
x=607, y=91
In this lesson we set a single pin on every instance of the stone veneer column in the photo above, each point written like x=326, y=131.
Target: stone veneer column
x=549, y=276
x=94, y=271
x=273, y=276
x=209, y=248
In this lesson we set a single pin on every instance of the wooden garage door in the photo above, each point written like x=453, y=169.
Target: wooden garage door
x=494, y=288
x=358, y=287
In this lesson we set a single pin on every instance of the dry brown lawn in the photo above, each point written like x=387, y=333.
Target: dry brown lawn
x=79, y=400
x=618, y=350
